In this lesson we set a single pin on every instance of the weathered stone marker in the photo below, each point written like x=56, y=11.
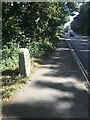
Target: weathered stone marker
x=24, y=62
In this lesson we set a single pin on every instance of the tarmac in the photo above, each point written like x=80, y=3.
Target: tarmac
x=55, y=90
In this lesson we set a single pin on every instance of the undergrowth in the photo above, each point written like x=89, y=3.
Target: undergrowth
x=11, y=79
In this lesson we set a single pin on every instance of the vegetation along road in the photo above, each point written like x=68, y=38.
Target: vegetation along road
x=55, y=87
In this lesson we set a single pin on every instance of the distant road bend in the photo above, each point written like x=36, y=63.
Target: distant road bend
x=81, y=46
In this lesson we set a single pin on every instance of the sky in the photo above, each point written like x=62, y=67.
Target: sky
x=71, y=19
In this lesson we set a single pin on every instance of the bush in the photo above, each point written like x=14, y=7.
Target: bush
x=40, y=48
x=10, y=57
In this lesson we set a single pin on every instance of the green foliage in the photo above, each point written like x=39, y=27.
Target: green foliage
x=24, y=22
x=9, y=56
x=40, y=48
x=6, y=94
x=81, y=24
x=33, y=25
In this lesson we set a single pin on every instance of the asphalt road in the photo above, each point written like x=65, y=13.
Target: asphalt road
x=81, y=45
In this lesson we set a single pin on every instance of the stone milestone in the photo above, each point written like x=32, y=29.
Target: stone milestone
x=24, y=62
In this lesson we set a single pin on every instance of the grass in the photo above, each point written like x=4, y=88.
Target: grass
x=10, y=84
x=13, y=81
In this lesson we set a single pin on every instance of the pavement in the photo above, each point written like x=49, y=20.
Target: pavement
x=56, y=90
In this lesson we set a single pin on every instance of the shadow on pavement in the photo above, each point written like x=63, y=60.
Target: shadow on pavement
x=68, y=106
x=51, y=96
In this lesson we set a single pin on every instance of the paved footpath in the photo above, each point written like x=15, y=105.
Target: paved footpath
x=56, y=90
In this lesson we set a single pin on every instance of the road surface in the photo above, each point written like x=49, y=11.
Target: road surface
x=81, y=45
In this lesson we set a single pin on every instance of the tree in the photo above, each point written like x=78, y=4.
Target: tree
x=81, y=22
x=24, y=22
